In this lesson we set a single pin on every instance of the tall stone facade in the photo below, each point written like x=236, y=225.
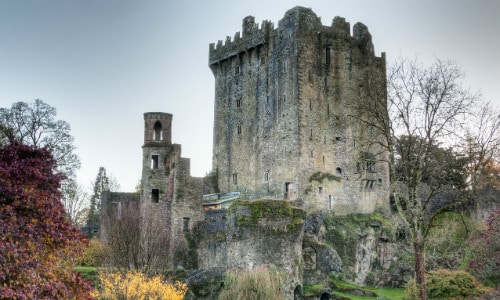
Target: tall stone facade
x=285, y=124
x=167, y=187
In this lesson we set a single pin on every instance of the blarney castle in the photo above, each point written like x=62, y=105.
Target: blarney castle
x=285, y=130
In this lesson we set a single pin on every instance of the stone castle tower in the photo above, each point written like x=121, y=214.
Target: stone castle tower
x=167, y=187
x=285, y=124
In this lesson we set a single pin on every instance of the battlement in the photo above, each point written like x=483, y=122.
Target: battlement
x=253, y=36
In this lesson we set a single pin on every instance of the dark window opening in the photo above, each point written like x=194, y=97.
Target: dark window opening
x=185, y=224
x=266, y=176
x=157, y=131
x=328, y=108
x=339, y=171
x=238, y=102
x=154, y=161
x=320, y=190
x=369, y=184
x=262, y=60
x=235, y=178
x=155, y=195
x=237, y=69
x=239, y=129
x=327, y=55
x=337, y=138
x=288, y=190
x=310, y=104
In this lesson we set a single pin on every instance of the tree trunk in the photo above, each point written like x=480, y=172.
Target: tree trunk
x=420, y=268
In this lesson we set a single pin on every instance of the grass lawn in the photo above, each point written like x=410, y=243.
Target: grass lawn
x=343, y=289
x=89, y=273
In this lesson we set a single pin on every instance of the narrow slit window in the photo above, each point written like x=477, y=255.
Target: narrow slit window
x=185, y=224
x=235, y=178
x=266, y=176
x=237, y=69
x=330, y=202
x=238, y=102
x=327, y=55
x=154, y=161
x=239, y=129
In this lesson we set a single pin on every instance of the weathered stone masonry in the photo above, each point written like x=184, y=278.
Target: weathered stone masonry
x=166, y=183
x=284, y=125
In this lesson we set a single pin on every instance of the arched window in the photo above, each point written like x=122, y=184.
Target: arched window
x=157, y=131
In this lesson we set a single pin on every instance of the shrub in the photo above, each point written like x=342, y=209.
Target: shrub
x=485, y=251
x=256, y=284
x=446, y=284
x=134, y=285
x=95, y=254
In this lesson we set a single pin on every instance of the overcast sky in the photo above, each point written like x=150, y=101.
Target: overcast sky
x=103, y=63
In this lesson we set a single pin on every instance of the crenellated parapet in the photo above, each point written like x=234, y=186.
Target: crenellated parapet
x=252, y=37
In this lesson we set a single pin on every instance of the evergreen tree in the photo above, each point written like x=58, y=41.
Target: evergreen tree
x=101, y=184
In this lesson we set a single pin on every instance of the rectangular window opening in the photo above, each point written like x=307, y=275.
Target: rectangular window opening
x=154, y=161
x=235, y=178
x=330, y=202
x=266, y=176
x=239, y=129
x=238, y=102
x=185, y=224
x=155, y=195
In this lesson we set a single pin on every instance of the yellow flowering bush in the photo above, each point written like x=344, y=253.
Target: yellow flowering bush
x=134, y=285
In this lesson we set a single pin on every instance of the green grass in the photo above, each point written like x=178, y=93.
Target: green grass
x=343, y=288
x=89, y=273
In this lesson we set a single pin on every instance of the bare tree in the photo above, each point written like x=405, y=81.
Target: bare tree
x=74, y=199
x=35, y=124
x=136, y=241
x=425, y=108
x=481, y=144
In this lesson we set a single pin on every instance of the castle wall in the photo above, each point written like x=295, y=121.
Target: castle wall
x=284, y=112
x=252, y=234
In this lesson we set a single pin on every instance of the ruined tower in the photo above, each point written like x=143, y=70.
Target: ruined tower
x=167, y=188
x=285, y=121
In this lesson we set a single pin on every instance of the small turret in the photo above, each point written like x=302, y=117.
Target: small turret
x=157, y=127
